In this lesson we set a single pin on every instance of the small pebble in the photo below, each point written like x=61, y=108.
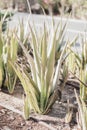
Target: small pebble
x=23, y=123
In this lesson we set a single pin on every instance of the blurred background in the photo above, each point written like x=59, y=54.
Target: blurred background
x=76, y=8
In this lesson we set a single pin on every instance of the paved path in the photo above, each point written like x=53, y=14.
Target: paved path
x=74, y=27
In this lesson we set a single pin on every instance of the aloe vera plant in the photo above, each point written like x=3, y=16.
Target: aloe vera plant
x=3, y=48
x=81, y=60
x=40, y=87
x=82, y=118
x=77, y=64
x=8, y=51
x=11, y=49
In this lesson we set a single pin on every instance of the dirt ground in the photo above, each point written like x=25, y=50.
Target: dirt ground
x=55, y=120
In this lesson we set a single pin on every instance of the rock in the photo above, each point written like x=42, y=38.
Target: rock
x=11, y=118
x=6, y=128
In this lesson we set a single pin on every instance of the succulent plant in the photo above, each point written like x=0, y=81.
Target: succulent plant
x=40, y=86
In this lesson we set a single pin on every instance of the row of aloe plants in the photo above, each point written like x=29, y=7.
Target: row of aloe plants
x=48, y=59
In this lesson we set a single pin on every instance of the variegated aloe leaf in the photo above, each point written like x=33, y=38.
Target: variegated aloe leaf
x=21, y=24
x=1, y=72
x=26, y=107
x=1, y=58
x=57, y=73
x=51, y=59
x=43, y=56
